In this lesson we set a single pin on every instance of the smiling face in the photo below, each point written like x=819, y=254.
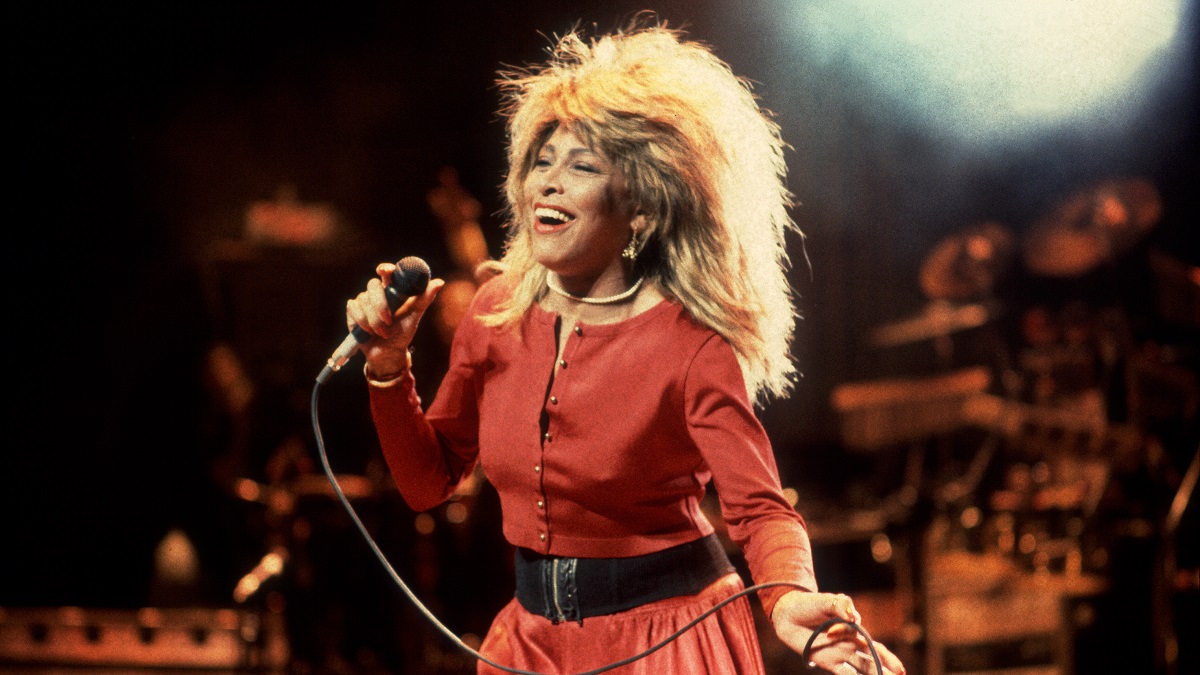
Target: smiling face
x=581, y=214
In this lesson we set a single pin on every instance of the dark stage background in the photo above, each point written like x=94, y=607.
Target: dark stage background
x=142, y=135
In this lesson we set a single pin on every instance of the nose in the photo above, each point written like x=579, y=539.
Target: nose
x=551, y=182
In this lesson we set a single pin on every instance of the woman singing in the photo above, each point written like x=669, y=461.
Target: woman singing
x=611, y=370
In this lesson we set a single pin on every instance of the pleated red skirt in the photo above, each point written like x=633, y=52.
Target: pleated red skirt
x=725, y=643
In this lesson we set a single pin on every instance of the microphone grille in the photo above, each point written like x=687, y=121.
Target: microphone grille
x=411, y=275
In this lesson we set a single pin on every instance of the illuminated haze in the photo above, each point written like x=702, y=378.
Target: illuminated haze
x=983, y=68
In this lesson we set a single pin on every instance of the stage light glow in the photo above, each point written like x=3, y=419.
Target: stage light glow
x=425, y=524
x=176, y=559
x=987, y=66
x=457, y=513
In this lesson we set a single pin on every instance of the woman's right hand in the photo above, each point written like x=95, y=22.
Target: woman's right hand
x=391, y=332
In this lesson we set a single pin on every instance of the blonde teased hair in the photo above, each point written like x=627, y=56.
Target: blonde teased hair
x=701, y=161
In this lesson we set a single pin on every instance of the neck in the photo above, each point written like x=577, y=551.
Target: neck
x=613, y=281
x=595, y=294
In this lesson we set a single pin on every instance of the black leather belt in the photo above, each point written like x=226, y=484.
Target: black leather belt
x=572, y=589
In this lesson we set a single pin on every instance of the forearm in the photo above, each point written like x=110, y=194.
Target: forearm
x=777, y=550
x=424, y=469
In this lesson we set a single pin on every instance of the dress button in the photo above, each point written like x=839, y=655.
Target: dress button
x=542, y=536
x=547, y=437
x=541, y=504
x=537, y=468
x=578, y=329
x=554, y=400
x=562, y=363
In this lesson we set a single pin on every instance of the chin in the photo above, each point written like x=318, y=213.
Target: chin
x=548, y=256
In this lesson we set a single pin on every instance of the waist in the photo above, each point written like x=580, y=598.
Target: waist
x=572, y=589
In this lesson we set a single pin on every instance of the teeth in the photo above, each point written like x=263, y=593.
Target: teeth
x=545, y=213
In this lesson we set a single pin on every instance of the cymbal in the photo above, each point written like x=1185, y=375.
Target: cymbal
x=965, y=266
x=939, y=318
x=1091, y=227
x=1061, y=252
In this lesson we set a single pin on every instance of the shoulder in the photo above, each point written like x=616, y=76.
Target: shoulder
x=713, y=368
x=490, y=300
x=691, y=331
x=701, y=350
x=472, y=335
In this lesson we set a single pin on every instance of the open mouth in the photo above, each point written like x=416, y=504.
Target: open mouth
x=549, y=219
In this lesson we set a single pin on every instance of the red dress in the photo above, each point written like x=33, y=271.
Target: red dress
x=608, y=458
x=722, y=644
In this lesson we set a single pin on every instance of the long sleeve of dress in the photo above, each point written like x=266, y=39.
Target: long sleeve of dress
x=428, y=454
x=733, y=443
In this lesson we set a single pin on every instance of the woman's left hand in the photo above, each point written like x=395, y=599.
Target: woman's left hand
x=841, y=649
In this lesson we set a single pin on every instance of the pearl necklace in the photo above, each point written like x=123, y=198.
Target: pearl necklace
x=594, y=301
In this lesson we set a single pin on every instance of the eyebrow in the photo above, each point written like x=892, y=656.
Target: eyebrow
x=548, y=147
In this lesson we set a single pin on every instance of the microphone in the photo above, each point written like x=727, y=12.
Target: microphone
x=409, y=279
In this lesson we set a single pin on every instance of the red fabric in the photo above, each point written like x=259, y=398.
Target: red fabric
x=723, y=644
x=643, y=413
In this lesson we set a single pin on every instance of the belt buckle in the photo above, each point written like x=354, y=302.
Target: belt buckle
x=562, y=594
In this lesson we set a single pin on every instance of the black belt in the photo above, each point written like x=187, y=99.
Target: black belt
x=572, y=589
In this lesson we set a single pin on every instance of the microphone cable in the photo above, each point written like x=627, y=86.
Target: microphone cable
x=449, y=634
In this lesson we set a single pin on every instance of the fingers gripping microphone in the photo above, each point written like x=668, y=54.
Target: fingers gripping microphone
x=409, y=279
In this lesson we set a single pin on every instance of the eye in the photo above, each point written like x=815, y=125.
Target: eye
x=586, y=168
x=541, y=161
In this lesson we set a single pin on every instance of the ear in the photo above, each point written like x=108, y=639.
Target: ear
x=638, y=224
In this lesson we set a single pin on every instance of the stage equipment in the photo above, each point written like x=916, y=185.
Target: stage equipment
x=879, y=414
x=939, y=319
x=1176, y=290
x=986, y=615
x=177, y=639
x=965, y=266
x=1091, y=228
x=879, y=418
x=1016, y=548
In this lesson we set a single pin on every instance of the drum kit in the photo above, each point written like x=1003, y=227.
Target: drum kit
x=1060, y=421
x=1066, y=353
x=1057, y=380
